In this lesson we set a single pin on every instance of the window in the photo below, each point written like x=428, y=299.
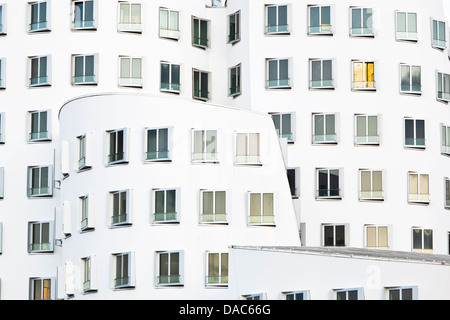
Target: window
x=217, y=269
x=366, y=130
x=349, y=294
x=200, y=35
x=42, y=289
x=39, y=126
x=277, y=19
x=129, y=17
x=334, y=235
x=40, y=236
x=363, y=75
x=213, y=206
x=89, y=275
x=86, y=205
x=447, y=193
x=1, y=238
x=117, y=152
x=120, y=203
x=278, y=73
x=234, y=27
x=371, y=186
x=418, y=188
x=414, y=133
x=83, y=144
x=402, y=293
x=39, y=71
x=2, y=19
x=439, y=34
x=2, y=128
x=170, y=77
x=219, y=3
x=293, y=176
x=328, y=184
x=84, y=69
x=170, y=268
x=406, y=26
x=262, y=208
x=84, y=14
x=248, y=148
x=296, y=295
x=130, y=72
x=200, y=85
x=324, y=128
x=284, y=125
x=234, y=82
x=169, y=24
x=166, y=203
x=319, y=20
x=443, y=86
x=157, y=146
x=321, y=74
x=123, y=270
x=2, y=188
x=377, y=237
x=422, y=240
x=40, y=181
x=204, y=146
x=361, y=24
x=445, y=139
x=255, y=296
x=2, y=72
x=410, y=76
x=39, y=16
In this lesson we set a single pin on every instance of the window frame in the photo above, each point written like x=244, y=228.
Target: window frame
x=414, y=291
x=236, y=90
x=2, y=73
x=83, y=148
x=49, y=247
x=410, y=83
x=328, y=194
x=86, y=211
x=346, y=291
x=367, y=85
x=172, y=87
x=375, y=195
x=117, y=282
x=261, y=219
x=325, y=84
x=220, y=280
x=45, y=24
x=295, y=192
x=132, y=27
x=179, y=278
x=47, y=122
x=129, y=80
x=279, y=82
x=377, y=228
x=443, y=82
x=290, y=137
x=370, y=32
x=206, y=156
x=445, y=139
x=409, y=35
x=423, y=241
x=127, y=220
x=52, y=288
x=325, y=116
x=158, y=158
x=168, y=217
x=2, y=128
x=326, y=31
x=49, y=193
x=41, y=80
x=2, y=188
x=198, y=40
x=247, y=158
x=169, y=33
x=108, y=154
x=199, y=93
x=83, y=25
x=268, y=29
x=415, y=144
x=304, y=293
x=438, y=43
x=89, y=274
x=421, y=198
x=86, y=78
x=234, y=37
x=3, y=17
x=447, y=193
x=216, y=218
x=346, y=234
x=367, y=137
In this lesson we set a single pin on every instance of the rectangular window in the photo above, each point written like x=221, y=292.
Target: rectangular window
x=157, y=146
x=439, y=34
x=117, y=146
x=123, y=275
x=42, y=289
x=204, y=146
x=334, y=235
x=248, y=148
x=2, y=19
x=255, y=296
x=293, y=176
x=277, y=19
x=349, y=294
x=84, y=69
x=445, y=139
x=84, y=15
x=130, y=72
x=319, y=20
x=363, y=75
x=283, y=125
x=278, y=73
x=40, y=14
x=170, y=77
x=2, y=73
x=200, y=35
x=443, y=86
x=447, y=193
x=169, y=24
x=200, y=85
x=83, y=154
x=361, y=24
x=89, y=274
x=296, y=295
x=2, y=189
x=234, y=27
x=40, y=181
x=39, y=126
x=40, y=236
x=39, y=71
x=234, y=84
x=129, y=17
x=2, y=128
x=371, y=186
x=120, y=213
x=86, y=205
x=262, y=209
x=377, y=237
x=217, y=268
x=414, y=133
x=406, y=26
x=410, y=79
x=324, y=128
x=366, y=129
x=328, y=184
x=422, y=240
x=213, y=206
x=170, y=268
x=418, y=187
x=321, y=74
x=402, y=293
x=166, y=205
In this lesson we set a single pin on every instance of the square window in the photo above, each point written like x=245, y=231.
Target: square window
x=443, y=86
x=402, y=293
x=410, y=79
x=117, y=146
x=84, y=69
x=217, y=269
x=166, y=205
x=439, y=34
x=363, y=75
x=418, y=188
x=406, y=26
x=234, y=27
x=321, y=74
x=350, y=294
x=218, y=3
x=204, y=146
x=445, y=139
x=123, y=266
x=278, y=73
x=361, y=22
x=261, y=208
x=414, y=133
x=2, y=73
x=296, y=295
x=2, y=19
x=40, y=71
x=39, y=126
x=248, y=148
x=366, y=128
x=40, y=181
x=169, y=24
x=170, y=77
x=334, y=235
x=324, y=128
x=214, y=206
x=42, y=289
x=284, y=125
x=377, y=237
x=89, y=275
x=40, y=236
x=130, y=72
x=277, y=19
x=169, y=269
x=39, y=16
x=371, y=185
x=120, y=208
x=200, y=85
x=422, y=240
x=158, y=144
x=319, y=20
x=129, y=17
x=328, y=184
x=255, y=296
x=234, y=81
x=200, y=33
x=84, y=14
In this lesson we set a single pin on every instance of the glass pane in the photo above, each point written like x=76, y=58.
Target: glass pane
x=282, y=15
x=373, y=126
x=37, y=284
x=165, y=74
x=352, y=295
x=220, y=205
x=211, y=141
x=416, y=75
x=319, y=128
x=413, y=184
x=43, y=12
x=213, y=264
x=89, y=70
x=136, y=68
x=159, y=201
x=268, y=204
x=45, y=233
x=271, y=16
x=401, y=21
x=43, y=67
x=382, y=236
x=328, y=236
x=241, y=144
x=326, y=15
x=36, y=236
x=163, y=143
x=316, y=70
x=254, y=144
x=405, y=77
x=125, y=67
x=407, y=294
x=163, y=264
x=173, y=20
x=170, y=201
x=340, y=236
x=34, y=13
x=361, y=126
x=163, y=19
x=174, y=263
x=151, y=141
x=204, y=82
x=377, y=181
x=417, y=239
x=276, y=121
x=412, y=22
x=358, y=75
x=441, y=30
x=341, y=295
x=44, y=177
x=136, y=13
x=286, y=124
x=367, y=18
x=255, y=204
x=330, y=124
x=175, y=74
x=323, y=180
x=123, y=203
x=198, y=141
x=78, y=12
x=409, y=130
x=224, y=264
x=327, y=71
x=314, y=16
x=284, y=69
x=356, y=18
x=428, y=239
x=125, y=13
x=394, y=294
x=420, y=131
x=424, y=184
x=371, y=236
x=89, y=14
x=208, y=199
x=366, y=183
x=120, y=143
x=273, y=70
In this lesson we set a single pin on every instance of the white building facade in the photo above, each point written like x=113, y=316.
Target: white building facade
x=139, y=140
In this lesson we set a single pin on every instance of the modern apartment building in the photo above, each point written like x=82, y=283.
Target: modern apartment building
x=163, y=149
